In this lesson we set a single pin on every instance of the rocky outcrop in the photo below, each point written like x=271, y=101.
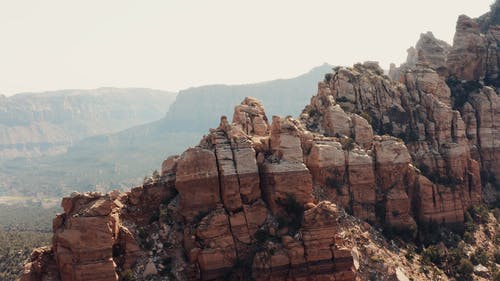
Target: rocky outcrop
x=419, y=112
x=265, y=200
x=474, y=55
x=432, y=51
x=471, y=70
x=239, y=203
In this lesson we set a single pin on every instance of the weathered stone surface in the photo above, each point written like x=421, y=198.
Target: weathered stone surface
x=280, y=180
x=389, y=151
x=251, y=117
x=41, y=266
x=467, y=57
x=316, y=257
x=197, y=180
x=420, y=113
x=432, y=51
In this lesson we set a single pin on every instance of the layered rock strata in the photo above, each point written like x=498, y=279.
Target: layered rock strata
x=239, y=204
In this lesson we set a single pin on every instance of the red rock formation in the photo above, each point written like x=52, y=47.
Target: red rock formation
x=249, y=200
x=418, y=112
x=308, y=258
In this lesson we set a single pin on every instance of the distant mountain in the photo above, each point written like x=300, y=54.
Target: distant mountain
x=35, y=124
x=196, y=109
x=122, y=159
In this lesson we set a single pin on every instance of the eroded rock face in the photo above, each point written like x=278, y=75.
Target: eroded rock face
x=233, y=194
x=309, y=258
x=468, y=58
x=420, y=113
x=432, y=51
x=255, y=199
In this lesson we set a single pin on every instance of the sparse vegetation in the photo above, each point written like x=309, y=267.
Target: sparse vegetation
x=349, y=144
x=335, y=184
x=20, y=232
x=465, y=268
x=341, y=99
x=127, y=275
x=431, y=255
x=294, y=213
x=479, y=257
x=366, y=116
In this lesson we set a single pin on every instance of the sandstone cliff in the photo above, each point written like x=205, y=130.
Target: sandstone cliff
x=262, y=198
x=466, y=79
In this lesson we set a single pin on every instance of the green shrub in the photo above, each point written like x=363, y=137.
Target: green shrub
x=294, y=212
x=165, y=216
x=154, y=217
x=496, y=213
x=128, y=275
x=431, y=255
x=335, y=184
x=366, y=116
x=261, y=236
x=410, y=254
x=156, y=175
x=479, y=257
x=470, y=225
x=496, y=256
x=496, y=276
x=387, y=129
x=465, y=268
x=469, y=238
x=341, y=99
x=350, y=144
x=480, y=213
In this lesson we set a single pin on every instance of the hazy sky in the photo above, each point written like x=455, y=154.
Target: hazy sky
x=171, y=45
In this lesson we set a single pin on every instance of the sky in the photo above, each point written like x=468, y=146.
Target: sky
x=173, y=45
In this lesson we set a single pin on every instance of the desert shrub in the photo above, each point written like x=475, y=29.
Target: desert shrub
x=366, y=116
x=294, y=213
x=479, y=213
x=335, y=184
x=154, y=217
x=465, y=268
x=455, y=254
x=496, y=276
x=156, y=175
x=167, y=265
x=341, y=99
x=496, y=213
x=431, y=255
x=127, y=275
x=469, y=238
x=479, y=257
x=387, y=129
x=470, y=225
x=410, y=254
x=349, y=144
x=261, y=236
x=496, y=256
x=165, y=216
x=429, y=232
x=328, y=77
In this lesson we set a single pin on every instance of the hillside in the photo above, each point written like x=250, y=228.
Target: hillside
x=37, y=124
x=196, y=109
x=121, y=159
